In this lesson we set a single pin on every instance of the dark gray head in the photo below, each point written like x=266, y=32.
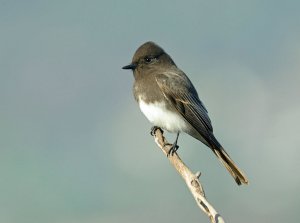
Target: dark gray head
x=150, y=56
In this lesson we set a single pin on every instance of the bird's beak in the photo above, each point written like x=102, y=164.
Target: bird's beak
x=130, y=67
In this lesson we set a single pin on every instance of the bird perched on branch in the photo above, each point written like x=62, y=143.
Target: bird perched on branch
x=169, y=100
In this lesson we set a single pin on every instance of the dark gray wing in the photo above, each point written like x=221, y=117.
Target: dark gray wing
x=179, y=90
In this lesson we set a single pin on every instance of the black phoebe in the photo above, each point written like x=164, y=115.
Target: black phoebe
x=169, y=100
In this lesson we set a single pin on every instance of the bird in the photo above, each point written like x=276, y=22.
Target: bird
x=169, y=100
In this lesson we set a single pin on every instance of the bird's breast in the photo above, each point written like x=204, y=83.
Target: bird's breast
x=159, y=115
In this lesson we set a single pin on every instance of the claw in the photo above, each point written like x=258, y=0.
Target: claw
x=172, y=150
x=174, y=147
x=153, y=130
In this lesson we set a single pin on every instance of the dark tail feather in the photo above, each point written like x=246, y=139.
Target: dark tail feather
x=236, y=173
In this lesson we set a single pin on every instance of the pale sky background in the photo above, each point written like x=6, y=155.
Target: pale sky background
x=74, y=146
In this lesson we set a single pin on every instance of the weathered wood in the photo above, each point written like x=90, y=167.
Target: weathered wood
x=192, y=180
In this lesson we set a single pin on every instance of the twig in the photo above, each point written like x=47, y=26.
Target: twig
x=191, y=180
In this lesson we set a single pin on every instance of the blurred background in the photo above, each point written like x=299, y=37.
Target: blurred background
x=74, y=146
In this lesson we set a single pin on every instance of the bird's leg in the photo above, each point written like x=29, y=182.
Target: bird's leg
x=154, y=128
x=174, y=147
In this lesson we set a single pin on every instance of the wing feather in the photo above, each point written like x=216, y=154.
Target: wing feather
x=178, y=89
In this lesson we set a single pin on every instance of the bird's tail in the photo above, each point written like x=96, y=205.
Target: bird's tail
x=236, y=173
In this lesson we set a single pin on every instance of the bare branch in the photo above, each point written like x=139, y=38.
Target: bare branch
x=191, y=180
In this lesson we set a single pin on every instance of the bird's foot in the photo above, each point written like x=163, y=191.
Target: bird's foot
x=153, y=130
x=173, y=149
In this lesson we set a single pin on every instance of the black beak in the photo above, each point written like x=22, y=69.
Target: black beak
x=129, y=67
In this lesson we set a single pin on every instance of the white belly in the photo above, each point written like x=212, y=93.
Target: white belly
x=158, y=115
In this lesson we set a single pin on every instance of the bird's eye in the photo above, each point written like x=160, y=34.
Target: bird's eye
x=148, y=59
